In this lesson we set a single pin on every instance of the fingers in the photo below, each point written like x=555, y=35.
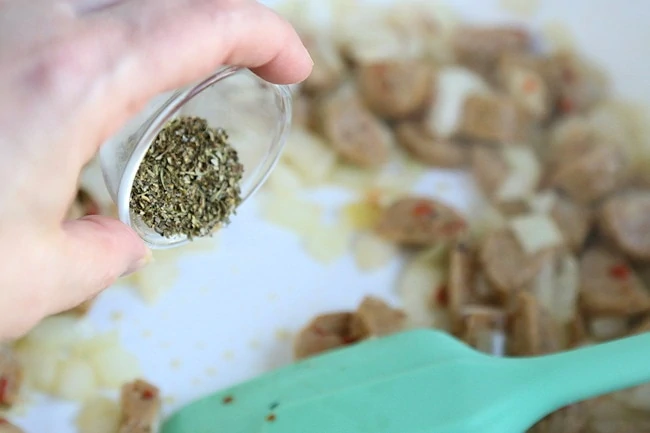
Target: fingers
x=169, y=43
x=96, y=251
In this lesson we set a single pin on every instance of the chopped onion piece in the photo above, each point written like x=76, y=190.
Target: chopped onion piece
x=75, y=380
x=416, y=286
x=455, y=85
x=543, y=202
x=292, y=213
x=312, y=158
x=327, y=243
x=372, y=252
x=98, y=415
x=536, y=232
x=284, y=180
x=607, y=328
x=113, y=366
x=524, y=173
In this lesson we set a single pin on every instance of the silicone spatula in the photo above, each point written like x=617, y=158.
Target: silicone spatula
x=421, y=381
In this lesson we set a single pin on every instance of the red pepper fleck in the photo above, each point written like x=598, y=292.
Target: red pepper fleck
x=619, y=272
x=228, y=399
x=4, y=384
x=566, y=105
x=148, y=394
x=568, y=75
x=453, y=227
x=442, y=296
x=424, y=210
x=348, y=340
x=92, y=209
x=270, y=417
x=530, y=85
x=3, y=421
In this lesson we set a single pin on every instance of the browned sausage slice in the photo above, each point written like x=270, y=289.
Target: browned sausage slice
x=480, y=48
x=416, y=221
x=396, y=89
x=461, y=279
x=425, y=147
x=489, y=168
x=329, y=68
x=7, y=427
x=324, y=333
x=375, y=318
x=532, y=330
x=141, y=404
x=494, y=118
x=11, y=377
x=573, y=220
x=353, y=131
x=594, y=174
x=609, y=286
x=484, y=329
x=506, y=265
x=570, y=419
x=625, y=219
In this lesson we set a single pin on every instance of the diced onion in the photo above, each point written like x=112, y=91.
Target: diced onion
x=372, y=252
x=113, y=366
x=309, y=155
x=543, y=202
x=607, y=328
x=98, y=415
x=536, y=232
x=328, y=242
x=455, y=85
x=524, y=173
x=292, y=213
x=75, y=380
x=284, y=180
x=416, y=286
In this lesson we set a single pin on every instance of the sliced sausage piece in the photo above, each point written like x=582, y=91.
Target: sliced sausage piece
x=490, y=169
x=570, y=419
x=429, y=149
x=520, y=76
x=575, y=85
x=532, y=330
x=494, y=118
x=484, y=329
x=505, y=263
x=7, y=427
x=11, y=377
x=625, y=219
x=416, y=221
x=461, y=278
x=353, y=131
x=395, y=89
x=141, y=404
x=375, y=318
x=609, y=286
x=594, y=174
x=480, y=48
x=329, y=67
x=573, y=220
x=324, y=333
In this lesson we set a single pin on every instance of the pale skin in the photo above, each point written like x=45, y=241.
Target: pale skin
x=72, y=72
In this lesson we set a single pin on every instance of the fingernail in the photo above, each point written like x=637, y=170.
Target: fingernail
x=144, y=261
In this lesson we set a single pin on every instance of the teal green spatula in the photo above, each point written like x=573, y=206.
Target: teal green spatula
x=420, y=381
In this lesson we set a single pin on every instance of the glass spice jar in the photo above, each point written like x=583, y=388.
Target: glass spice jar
x=255, y=114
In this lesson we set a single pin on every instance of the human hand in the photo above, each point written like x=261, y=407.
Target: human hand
x=72, y=72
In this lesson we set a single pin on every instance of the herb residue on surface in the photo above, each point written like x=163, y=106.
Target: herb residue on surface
x=189, y=181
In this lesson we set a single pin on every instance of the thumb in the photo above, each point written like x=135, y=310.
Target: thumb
x=97, y=251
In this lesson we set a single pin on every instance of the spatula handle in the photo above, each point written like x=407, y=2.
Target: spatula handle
x=591, y=371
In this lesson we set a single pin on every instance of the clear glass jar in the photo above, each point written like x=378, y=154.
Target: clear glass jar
x=255, y=113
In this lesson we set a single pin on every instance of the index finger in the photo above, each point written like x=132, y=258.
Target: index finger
x=174, y=42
